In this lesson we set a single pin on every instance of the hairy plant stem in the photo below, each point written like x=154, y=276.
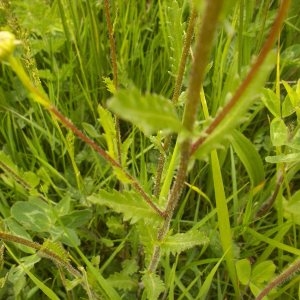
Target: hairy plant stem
x=203, y=47
x=41, y=98
x=42, y=251
x=284, y=276
x=249, y=78
x=176, y=93
x=113, y=56
x=113, y=52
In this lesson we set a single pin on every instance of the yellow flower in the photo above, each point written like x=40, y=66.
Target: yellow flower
x=7, y=44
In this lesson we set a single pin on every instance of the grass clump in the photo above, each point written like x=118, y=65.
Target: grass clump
x=126, y=193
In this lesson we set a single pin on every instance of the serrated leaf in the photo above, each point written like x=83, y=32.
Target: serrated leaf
x=154, y=286
x=170, y=16
x=109, y=85
x=108, y=124
x=148, y=238
x=130, y=266
x=115, y=225
x=180, y=242
x=243, y=269
x=150, y=113
x=123, y=281
x=56, y=248
x=129, y=203
x=249, y=157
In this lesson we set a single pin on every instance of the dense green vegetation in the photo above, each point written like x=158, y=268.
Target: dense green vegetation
x=149, y=149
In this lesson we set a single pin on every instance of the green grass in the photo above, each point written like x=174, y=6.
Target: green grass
x=223, y=223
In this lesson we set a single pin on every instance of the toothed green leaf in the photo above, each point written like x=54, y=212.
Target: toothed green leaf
x=153, y=286
x=108, y=124
x=150, y=113
x=129, y=203
x=182, y=241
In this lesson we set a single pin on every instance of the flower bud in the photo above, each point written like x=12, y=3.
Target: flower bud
x=7, y=44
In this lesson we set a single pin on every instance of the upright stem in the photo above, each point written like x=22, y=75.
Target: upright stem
x=251, y=75
x=202, y=51
x=43, y=251
x=113, y=52
x=113, y=56
x=176, y=93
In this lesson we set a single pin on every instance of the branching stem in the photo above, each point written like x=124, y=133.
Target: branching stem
x=43, y=252
x=249, y=78
x=43, y=99
x=176, y=93
x=202, y=51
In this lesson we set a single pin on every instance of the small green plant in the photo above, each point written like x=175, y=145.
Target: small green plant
x=123, y=193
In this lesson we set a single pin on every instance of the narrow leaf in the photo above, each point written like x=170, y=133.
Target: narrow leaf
x=238, y=112
x=293, y=95
x=208, y=281
x=249, y=157
x=150, y=113
x=286, y=158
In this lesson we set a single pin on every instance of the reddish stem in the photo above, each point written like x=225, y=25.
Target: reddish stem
x=67, y=123
x=251, y=75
